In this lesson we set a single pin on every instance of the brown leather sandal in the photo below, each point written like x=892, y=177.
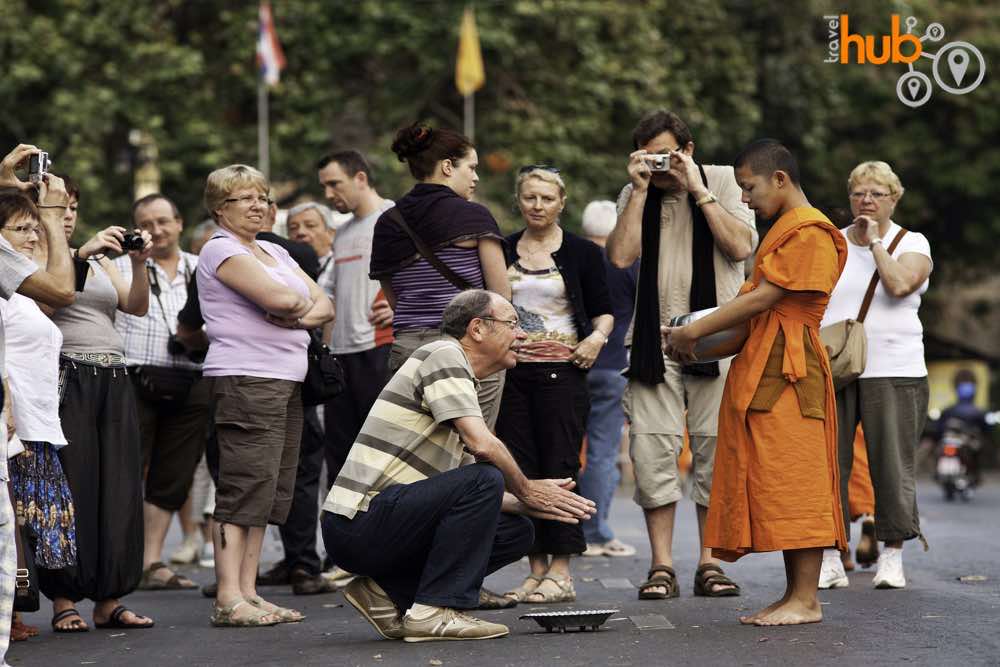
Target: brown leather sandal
x=710, y=575
x=667, y=580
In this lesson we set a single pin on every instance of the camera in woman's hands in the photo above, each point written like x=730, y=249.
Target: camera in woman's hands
x=132, y=241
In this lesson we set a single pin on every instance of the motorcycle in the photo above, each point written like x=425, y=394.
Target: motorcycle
x=955, y=462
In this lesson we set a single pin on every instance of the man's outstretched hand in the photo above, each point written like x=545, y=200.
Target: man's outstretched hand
x=553, y=499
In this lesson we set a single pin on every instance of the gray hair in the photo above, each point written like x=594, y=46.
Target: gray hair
x=324, y=212
x=204, y=228
x=465, y=307
x=599, y=218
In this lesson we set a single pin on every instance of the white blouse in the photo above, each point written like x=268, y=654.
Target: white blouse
x=892, y=327
x=32, y=366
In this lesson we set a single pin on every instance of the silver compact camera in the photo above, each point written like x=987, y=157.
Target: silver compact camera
x=658, y=161
x=38, y=165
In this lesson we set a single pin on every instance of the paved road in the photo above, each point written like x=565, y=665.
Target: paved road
x=937, y=620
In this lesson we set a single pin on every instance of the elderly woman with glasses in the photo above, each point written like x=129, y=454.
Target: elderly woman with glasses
x=890, y=397
x=258, y=306
x=560, y=294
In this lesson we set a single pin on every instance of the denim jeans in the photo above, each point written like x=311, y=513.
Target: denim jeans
x=604, y=430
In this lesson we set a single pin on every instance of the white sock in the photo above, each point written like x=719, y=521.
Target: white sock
x=419, y=612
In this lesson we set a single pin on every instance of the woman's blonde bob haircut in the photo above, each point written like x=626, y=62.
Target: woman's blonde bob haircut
x=542, y=175
x=879, y=172
x=223, y=182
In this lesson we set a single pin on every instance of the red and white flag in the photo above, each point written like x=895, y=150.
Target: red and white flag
x=270, y=57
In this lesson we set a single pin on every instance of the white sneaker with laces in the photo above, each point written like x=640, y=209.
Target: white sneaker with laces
x=890, y=569
x=832, y=574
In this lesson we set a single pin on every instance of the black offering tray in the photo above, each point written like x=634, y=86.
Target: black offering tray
x=581, y=619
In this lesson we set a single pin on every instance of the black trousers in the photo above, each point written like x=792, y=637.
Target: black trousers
x=366, y=374
x=543, y=418
x=173, y=441
x=103, y=465
x=432, y=541
x=298, y=534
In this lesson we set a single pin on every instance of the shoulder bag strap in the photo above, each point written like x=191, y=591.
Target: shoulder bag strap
x=427, y=253
x=870, y=294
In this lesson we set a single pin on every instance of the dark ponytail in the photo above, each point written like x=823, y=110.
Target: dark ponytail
x=422, y=147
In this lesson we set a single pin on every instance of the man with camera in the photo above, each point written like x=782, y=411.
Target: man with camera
x=172, y=400
x=687, y=223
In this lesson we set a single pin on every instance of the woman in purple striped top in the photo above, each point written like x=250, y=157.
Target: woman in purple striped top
x=461, y=233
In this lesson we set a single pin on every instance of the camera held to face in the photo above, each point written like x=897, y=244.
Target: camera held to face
x=658, y=161
x=132, y=241
x=39, y=164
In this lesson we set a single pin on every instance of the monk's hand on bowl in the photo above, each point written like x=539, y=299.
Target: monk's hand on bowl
x=553, y=497
x=678, y=344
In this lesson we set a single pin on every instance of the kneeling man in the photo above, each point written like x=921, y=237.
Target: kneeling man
x=419, y=509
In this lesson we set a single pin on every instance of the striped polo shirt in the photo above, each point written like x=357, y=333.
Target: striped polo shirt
x=408, y=435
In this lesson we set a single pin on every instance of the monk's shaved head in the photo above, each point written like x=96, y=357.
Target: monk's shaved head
x=766, y=156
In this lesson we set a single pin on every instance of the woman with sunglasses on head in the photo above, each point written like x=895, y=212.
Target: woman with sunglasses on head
x=561, y=297
x=890, y=397
x=258, y=306
x=437, y=218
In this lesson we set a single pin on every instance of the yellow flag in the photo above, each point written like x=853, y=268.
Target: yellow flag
x=469, y=73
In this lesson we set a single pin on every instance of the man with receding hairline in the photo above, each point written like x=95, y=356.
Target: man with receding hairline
x=425, y=505
x=776, y=484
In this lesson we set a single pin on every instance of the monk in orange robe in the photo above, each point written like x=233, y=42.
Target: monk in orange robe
x=861, y=505
x=776, y=483
x=861, y=495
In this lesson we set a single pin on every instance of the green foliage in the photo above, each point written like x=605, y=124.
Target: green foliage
x=566, y=81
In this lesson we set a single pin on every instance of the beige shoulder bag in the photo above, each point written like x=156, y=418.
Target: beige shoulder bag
x=845, y=340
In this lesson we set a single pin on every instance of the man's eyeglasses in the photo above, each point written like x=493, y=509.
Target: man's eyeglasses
x=531, y=167
x=511, y=324
x=249, y=200
x=876, y=196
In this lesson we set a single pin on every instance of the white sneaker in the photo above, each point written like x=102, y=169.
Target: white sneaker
x=207, y=556
x=890, y=569
x=832, y=574
x=189, y=549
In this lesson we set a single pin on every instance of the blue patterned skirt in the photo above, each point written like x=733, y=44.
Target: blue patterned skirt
x=43, y=501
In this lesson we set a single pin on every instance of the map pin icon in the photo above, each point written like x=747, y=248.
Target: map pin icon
x=958, y=63
x=914, y=86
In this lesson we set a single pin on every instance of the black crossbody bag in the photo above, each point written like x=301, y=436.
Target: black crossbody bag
x=164, y=386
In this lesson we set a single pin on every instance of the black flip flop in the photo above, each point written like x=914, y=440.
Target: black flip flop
x=63, y=615
x=115, y=621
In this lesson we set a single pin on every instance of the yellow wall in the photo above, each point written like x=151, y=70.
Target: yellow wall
x=941, y=374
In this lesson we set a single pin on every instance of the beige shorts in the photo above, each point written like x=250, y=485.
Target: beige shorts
x=656, y=434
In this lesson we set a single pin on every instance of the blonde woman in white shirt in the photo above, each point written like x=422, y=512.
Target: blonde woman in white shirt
x=890, y=397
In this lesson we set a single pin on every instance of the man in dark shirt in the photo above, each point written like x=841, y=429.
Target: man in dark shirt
x=606, y=385
x=967, y=418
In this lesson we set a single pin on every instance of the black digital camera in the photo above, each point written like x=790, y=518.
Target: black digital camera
x=38, y=165
x=132, y=241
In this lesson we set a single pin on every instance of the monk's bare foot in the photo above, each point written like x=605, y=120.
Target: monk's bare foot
x=752, y=618
x=793, y=612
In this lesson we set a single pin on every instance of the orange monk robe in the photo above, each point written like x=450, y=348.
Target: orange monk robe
x=860, y=493
x=776, y=484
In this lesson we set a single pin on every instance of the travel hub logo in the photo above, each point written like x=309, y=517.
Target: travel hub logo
x=964, y=63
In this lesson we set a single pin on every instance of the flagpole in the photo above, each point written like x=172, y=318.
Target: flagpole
x=263, y=142
x=470, y=117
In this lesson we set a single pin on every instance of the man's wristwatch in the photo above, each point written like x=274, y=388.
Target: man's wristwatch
x=707, y=199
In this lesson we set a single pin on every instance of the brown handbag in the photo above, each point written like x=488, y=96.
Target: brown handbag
x=845, y=341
